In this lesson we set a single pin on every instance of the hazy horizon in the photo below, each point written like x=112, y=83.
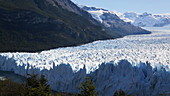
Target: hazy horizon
x=139, y=6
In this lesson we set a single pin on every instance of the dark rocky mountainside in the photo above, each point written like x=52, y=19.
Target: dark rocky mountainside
x=35, y=25
x=114, y=23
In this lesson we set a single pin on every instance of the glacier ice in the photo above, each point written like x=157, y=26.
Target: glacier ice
x=66, y=68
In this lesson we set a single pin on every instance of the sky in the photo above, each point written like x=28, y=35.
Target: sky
x=139, y=6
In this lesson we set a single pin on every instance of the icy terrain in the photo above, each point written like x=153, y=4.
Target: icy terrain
x=66, y=68
x=138, y=19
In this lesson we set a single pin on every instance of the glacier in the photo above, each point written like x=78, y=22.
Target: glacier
x=138, y=64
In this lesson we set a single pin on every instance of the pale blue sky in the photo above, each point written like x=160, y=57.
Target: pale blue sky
x=140, y=6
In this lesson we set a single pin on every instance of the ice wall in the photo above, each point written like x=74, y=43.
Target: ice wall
x=109, y=77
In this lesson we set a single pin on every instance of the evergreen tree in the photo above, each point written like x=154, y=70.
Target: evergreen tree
x=87, y=88
x=120, y=93
x=116, y=93
x=38, y=86
x=32, y=81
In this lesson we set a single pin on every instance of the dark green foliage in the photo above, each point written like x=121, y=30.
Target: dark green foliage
x=120, y=93
x=116, y=93
x=32, y=81
x=87, y=88
x=33, y=87
x=66, y=94
x=165, y=94
x=38, y=87
x=10, y=88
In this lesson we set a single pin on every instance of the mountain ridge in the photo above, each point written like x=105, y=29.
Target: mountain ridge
x=147, y=19
x=33, y=25
x=138, y=19
x=113, y=22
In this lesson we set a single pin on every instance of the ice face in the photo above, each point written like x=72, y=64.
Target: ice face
x=154, y=48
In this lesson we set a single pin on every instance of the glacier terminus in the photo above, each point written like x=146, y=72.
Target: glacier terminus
x=138, y=64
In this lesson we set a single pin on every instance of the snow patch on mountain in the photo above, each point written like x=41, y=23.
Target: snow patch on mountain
x=95, y=12
x=97, y=15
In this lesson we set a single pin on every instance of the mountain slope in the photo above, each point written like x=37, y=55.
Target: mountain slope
x=34, y=25
x=145, y=19
x=142, y=20
x=113, y=22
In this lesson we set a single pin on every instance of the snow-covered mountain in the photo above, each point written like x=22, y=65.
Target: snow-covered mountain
x=66, y=68
x=113, y=22
x=146, y=19
x=137, y=19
